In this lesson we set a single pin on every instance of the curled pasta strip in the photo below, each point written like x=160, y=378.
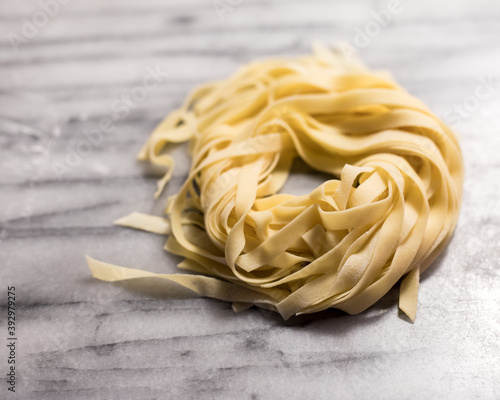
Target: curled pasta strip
x=388, y=211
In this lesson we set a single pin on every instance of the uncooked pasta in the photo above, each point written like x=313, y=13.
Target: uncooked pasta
x=387, y=212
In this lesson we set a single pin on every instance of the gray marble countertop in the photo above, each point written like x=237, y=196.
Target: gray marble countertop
x=67, y=66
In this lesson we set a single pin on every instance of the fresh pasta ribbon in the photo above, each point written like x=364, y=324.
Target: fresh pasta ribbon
x=388, y=211
x=145, y=222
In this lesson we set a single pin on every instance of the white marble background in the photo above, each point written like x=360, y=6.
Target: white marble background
x=83, y=339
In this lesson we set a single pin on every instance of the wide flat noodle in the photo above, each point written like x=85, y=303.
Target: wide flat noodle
x=388, y=211
x=145, y=222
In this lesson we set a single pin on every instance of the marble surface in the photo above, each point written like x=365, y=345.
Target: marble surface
x=84, y=64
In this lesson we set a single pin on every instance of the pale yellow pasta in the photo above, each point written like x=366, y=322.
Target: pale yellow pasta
x=388, y=211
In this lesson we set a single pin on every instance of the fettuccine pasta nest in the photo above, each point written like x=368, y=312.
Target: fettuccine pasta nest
x=388, y=211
